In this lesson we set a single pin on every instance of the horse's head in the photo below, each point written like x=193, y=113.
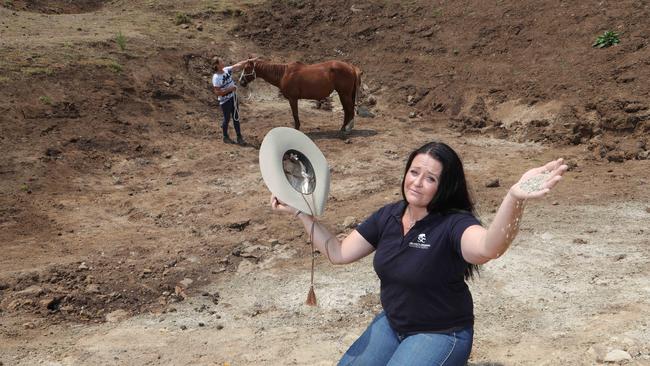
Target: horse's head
x=247, y=73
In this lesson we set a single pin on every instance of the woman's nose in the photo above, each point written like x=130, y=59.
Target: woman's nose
x=418, y=181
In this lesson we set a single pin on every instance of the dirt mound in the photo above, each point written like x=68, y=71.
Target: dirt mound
x=55, y=6
x=516, y=71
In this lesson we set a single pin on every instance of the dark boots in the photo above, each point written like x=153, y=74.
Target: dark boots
x=240, y=140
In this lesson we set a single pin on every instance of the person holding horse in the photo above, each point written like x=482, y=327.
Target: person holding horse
x=427, y=245
x=224, y=87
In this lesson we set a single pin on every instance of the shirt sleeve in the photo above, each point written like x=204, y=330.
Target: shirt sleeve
x=228, y=70
x=215, y=80
x=459, y=222
x=369, y=229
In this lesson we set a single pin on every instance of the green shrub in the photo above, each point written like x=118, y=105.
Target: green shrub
x=114, y=66
x=182, y=18
x=609, y=38
x=121, y=41
x=45, y=99
x=36, y=71
x=103, y=62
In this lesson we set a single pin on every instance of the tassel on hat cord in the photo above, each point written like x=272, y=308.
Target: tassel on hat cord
x=311, y=295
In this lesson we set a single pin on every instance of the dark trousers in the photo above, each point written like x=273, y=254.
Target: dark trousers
x=230, y=108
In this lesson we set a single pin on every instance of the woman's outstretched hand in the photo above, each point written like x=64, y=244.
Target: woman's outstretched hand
x=539, y=181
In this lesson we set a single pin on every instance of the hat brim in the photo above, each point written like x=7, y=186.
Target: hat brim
x=275, y=145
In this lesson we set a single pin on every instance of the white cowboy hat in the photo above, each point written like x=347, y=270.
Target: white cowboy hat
x=295, y=170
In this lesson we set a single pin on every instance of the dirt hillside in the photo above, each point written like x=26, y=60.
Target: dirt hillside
x=132, y=235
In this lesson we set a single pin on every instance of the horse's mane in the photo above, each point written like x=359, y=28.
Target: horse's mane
x=274, y=71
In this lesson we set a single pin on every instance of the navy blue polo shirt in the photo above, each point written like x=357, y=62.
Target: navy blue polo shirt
x=422, y=274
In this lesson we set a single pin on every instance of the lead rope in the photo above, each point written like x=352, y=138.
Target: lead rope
x=311, y=295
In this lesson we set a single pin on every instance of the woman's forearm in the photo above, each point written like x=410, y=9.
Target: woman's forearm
x=324, y=241
x=504, y=227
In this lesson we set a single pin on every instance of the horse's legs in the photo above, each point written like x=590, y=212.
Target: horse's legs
x=294, y=109
x=348, y=109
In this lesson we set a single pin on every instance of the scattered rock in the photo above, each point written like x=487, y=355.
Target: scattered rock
x=617, y=355
x=598, y=352
x=116, y=316
x=51, y=303
x=51, y=152
x=349, y=222
x=186, y=282
x=92, y=288
x=249, y=250
x=364, y=112
x=239, y=226
x=32, y=290
x=493, y=183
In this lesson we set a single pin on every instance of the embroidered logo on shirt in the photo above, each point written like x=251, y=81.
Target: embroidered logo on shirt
x=421, y=243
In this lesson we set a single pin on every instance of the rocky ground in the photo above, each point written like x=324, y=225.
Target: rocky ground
x=131, y=235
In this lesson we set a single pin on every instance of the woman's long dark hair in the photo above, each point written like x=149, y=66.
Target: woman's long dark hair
x=452, y=194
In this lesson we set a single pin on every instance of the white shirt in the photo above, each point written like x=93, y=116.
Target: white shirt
x=222, y=81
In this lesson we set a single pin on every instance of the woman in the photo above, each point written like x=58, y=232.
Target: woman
x=425, y=247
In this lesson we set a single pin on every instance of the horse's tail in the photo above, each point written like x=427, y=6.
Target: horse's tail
x=357, y=84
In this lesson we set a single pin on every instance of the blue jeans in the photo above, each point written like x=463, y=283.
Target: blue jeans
x=381, y=345
x=230, y=107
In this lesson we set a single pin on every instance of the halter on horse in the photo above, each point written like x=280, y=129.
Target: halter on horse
x=317, y=81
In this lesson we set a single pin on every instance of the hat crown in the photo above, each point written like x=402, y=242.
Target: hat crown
x=295, y=170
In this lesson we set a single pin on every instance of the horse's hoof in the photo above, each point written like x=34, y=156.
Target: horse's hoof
x=349, y=126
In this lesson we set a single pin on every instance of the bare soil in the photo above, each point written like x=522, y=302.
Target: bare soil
x=131, y=235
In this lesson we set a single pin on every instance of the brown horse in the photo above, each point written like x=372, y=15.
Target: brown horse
x=299, y=81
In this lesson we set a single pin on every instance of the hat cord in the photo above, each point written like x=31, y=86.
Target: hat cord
x=311, y=295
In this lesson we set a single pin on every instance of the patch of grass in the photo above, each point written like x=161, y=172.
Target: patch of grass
x=182, y=18
x=296, y=3
x=3, y=79
x=104, y=62
x=232, y=12
x=115, y=66
x=9, y=3
x=121, y=41
x=45, y=99
x=24, y=187
x=607, y=39
x=30, y=71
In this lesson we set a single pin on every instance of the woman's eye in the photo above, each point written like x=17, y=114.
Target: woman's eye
x=431, y=179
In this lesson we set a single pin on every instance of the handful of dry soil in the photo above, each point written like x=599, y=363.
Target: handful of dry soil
x=534, y=184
